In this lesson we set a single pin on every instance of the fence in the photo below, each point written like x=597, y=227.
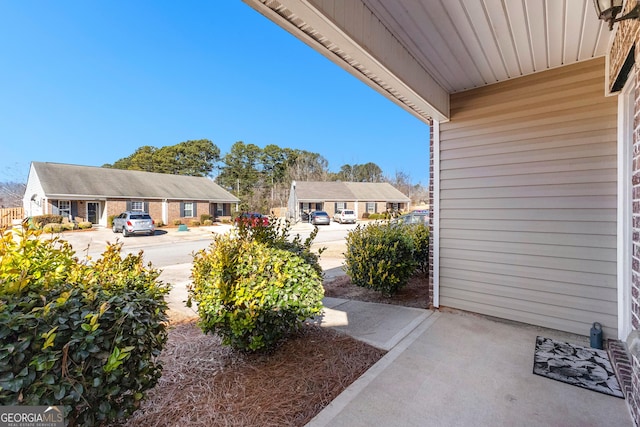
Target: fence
x=8, y=215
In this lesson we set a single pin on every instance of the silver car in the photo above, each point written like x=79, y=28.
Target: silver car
x=129, y=223
x=415, y=217
x=319, y=217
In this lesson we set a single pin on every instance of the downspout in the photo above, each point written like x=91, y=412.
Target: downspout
x=165, y=211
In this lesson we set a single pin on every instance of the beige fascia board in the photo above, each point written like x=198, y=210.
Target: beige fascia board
x=372, y=72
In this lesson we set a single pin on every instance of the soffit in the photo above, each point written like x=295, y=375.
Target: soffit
x=416, y=52
x=465, y=44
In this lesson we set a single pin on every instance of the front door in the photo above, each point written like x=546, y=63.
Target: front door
x=93, y=212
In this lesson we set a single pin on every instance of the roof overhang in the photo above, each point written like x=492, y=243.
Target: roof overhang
x=418, y=52
x=415, y=91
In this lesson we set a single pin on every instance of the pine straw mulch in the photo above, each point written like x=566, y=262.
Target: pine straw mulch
x=414, y=294
x=206, y=384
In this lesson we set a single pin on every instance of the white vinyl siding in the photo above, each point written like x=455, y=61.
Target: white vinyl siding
x=528, y=201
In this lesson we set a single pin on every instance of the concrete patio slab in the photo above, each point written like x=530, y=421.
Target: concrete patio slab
x=460, y=369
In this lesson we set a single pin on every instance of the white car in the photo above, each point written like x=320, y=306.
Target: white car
x=345, y=216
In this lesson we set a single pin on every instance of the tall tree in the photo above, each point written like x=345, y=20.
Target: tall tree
x=241, y=171
x=345, y=173
x=274, y=168
x=369, y=172
x=307, y=166
x=274, y=163
x=416, y=192
x=194, y=158
x=141, y=159
x=11, y=194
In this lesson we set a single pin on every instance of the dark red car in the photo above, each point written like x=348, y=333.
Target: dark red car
x=252, y=219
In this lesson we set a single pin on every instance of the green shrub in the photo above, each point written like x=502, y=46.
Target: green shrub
x=276, y=233
x=254, y=287
x=373, y=216
x=67, y=226
x=380, y=257
x=177, y=221
x=159, y=223
x=207, y=222
x=206, y=217
x=194, y=223
x=110, y=220
x=419, y=233
x=53, y=227
x=85, y=225
x=39, y=221
x=82, y=335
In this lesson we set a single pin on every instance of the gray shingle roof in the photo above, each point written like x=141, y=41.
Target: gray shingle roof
x=318, y=191
x=59, y=179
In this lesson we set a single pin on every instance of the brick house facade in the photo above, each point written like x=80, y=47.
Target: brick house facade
x=85, y=193
x=362, y=197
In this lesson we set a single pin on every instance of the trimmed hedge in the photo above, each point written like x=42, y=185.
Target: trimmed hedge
x=83, y=335
x=39, y=221
x=419, y=233
x=380, y=256
x=255, y=286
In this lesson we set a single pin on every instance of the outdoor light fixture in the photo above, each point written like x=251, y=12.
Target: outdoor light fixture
x=607, y=10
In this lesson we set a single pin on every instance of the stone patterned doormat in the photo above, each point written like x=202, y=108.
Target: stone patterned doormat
x=584, y=367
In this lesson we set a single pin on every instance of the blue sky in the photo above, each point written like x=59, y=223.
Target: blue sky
x=88, y=82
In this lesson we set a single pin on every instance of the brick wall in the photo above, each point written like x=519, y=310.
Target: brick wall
x=627, y=34
x=116, y=207
x=155, y=210
x=175, y=214
x=362, y=208
x=634, y=400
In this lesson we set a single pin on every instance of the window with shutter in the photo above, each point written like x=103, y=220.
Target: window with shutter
x=188, y=209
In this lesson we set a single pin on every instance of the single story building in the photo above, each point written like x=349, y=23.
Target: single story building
x=362, y=197
x=93, y=194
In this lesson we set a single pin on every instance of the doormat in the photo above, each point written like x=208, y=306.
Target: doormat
x=584, y=367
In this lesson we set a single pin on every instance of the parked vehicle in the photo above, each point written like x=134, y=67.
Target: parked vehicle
x=252, y=219
x=415, y=217
x=345, y=216
x=319, y=217
x=129, y=223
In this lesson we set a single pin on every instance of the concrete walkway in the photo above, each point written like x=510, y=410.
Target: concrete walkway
x=456, y=369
